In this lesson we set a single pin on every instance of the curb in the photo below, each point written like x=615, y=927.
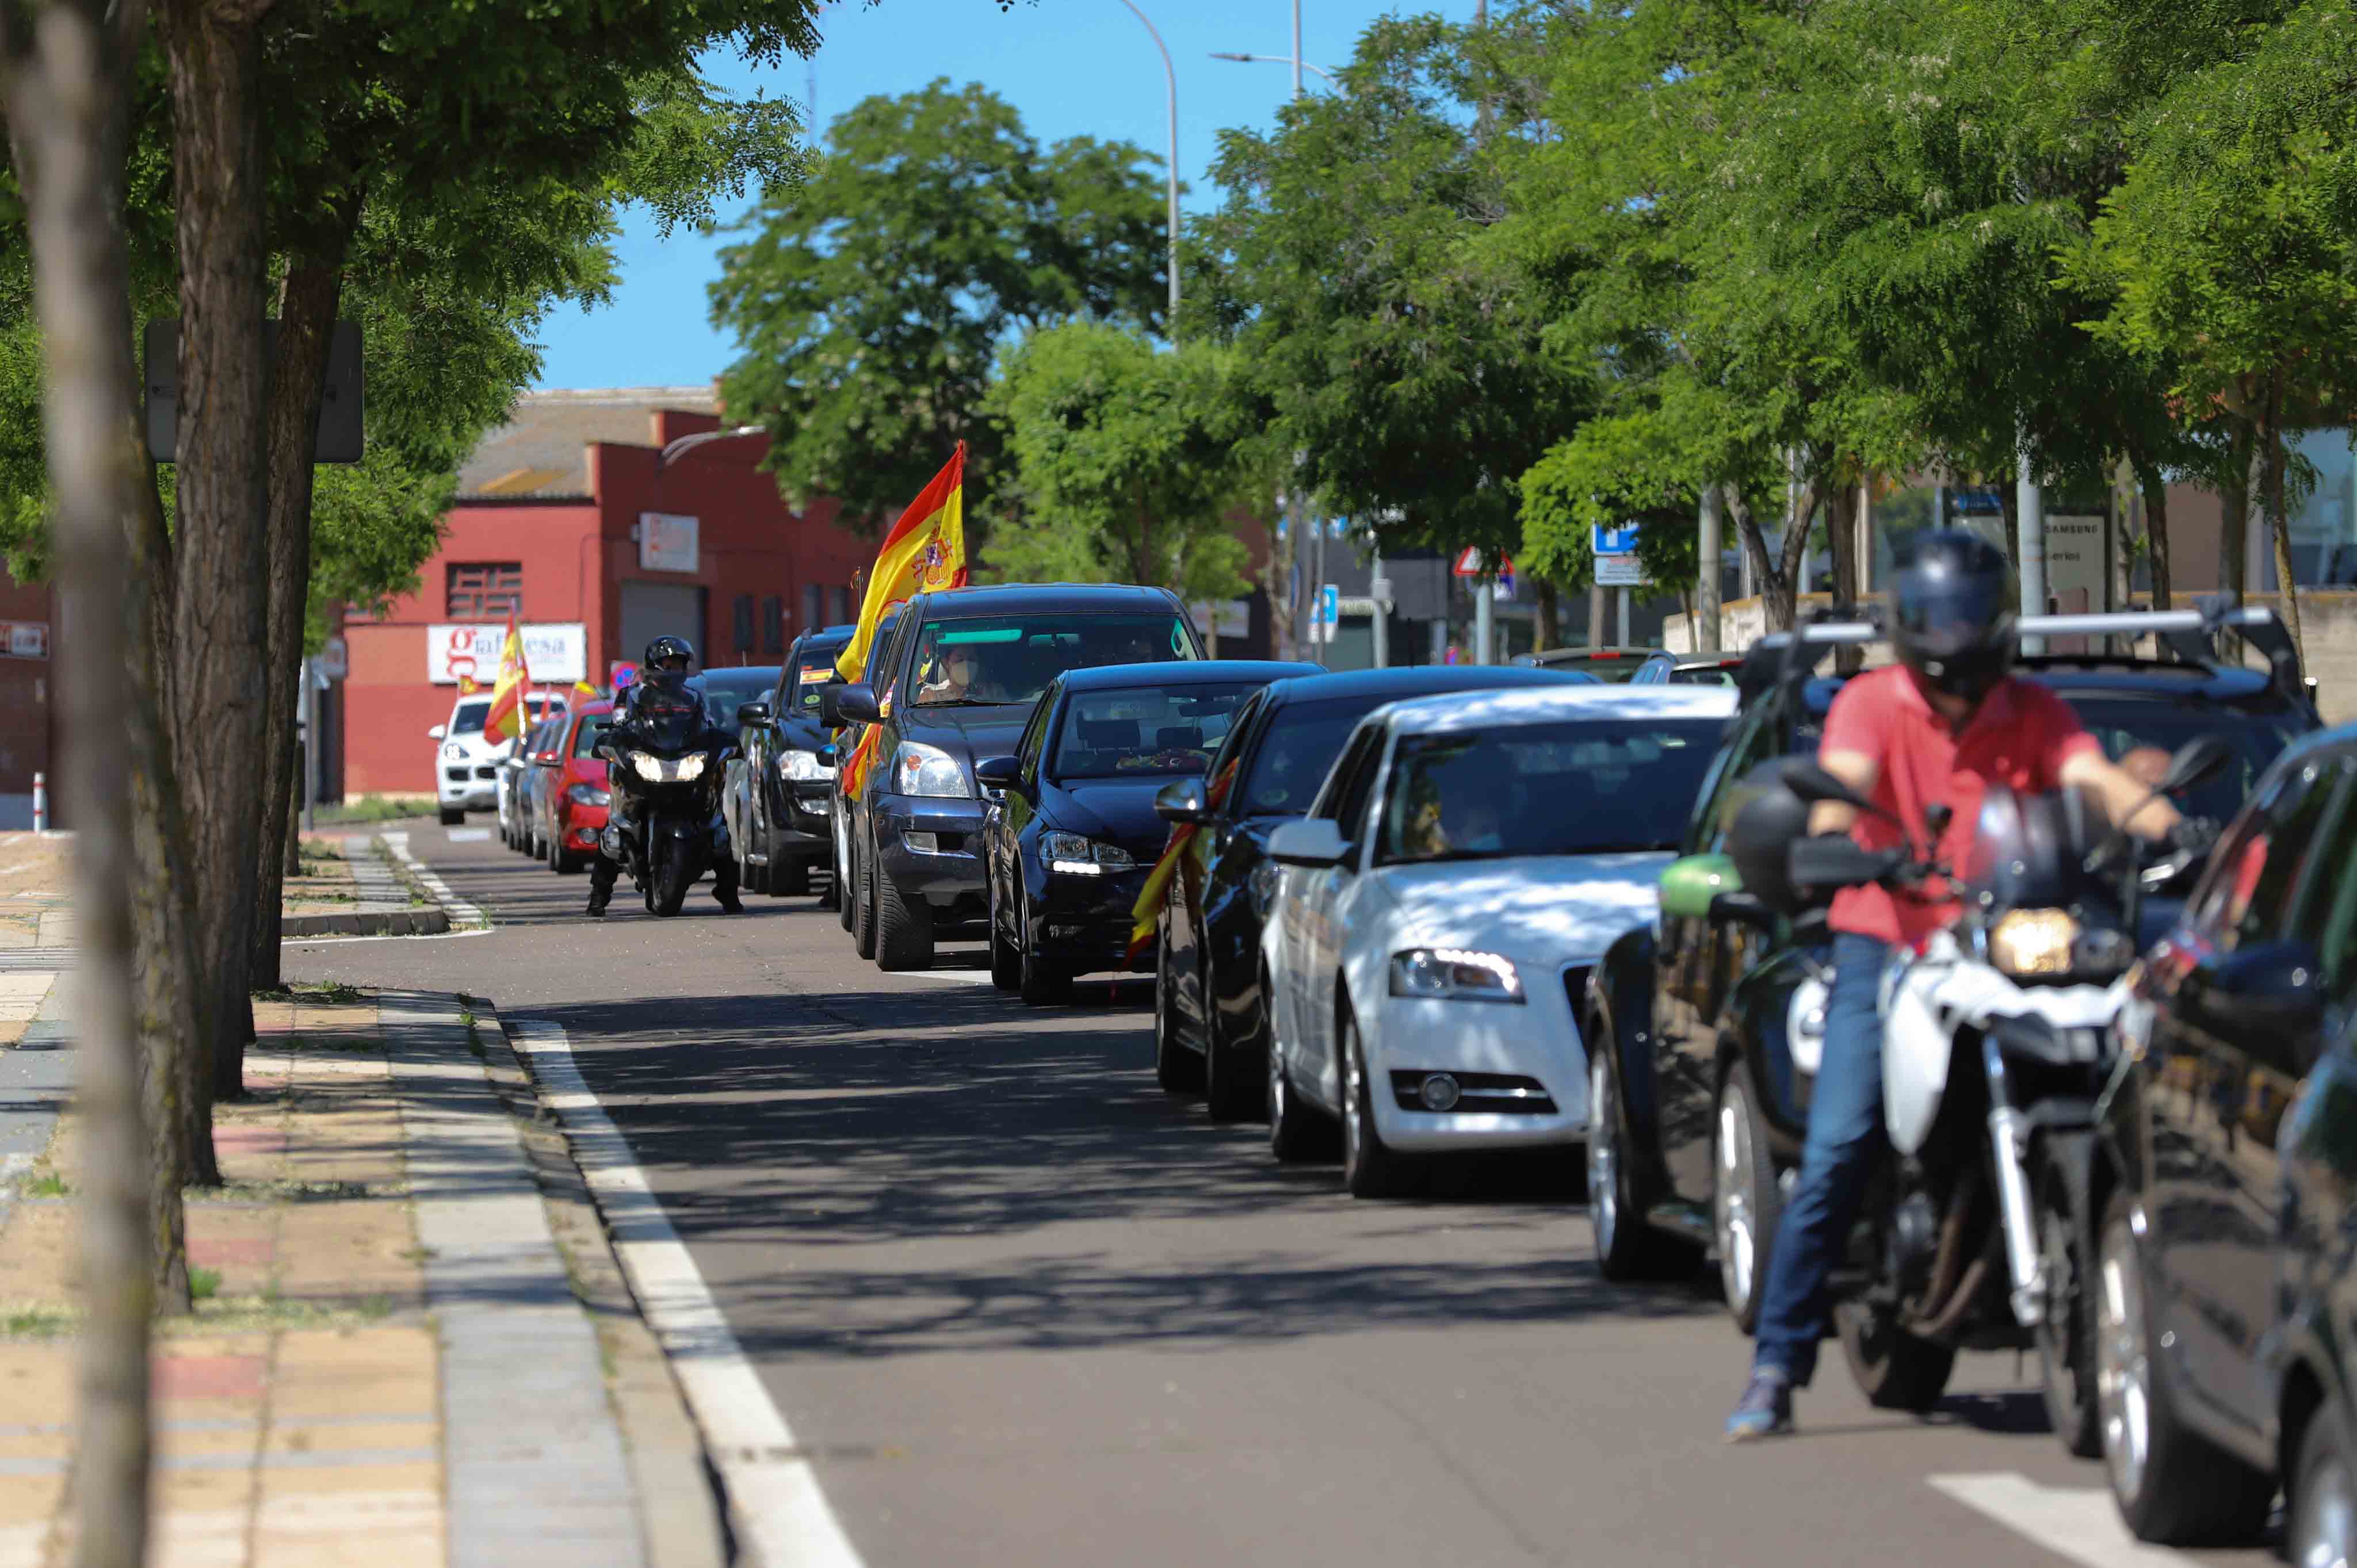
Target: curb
x=408, y=920
x=459, y=915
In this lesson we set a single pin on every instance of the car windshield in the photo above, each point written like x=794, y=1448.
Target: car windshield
x=469, y=718
x=1143, y=731
x=815, y=668
x=585, y=738
x=1575, y=786
x=1301, y=744
x=725, y=688
x=1011, y=659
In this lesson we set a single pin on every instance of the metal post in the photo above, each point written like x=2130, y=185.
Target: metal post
x=1482, y=594
x=1596, y=628
x=40, y=803
x=1379, y=589
x=2030, y=500
x=1707, y=590
x=1297, y=48
x=310, y=745
x=1624, y=619
x=1172, y=77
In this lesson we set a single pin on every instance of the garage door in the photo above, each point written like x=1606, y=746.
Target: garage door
x=661, y=609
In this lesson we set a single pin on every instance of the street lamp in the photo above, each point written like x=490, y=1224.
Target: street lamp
x=1172, y=75
x=1278, y=60
x=687, y=444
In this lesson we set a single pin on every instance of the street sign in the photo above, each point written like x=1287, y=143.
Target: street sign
x=334, y=662
x=1621, y=541
x=1328, y=611
x=24, y=640
x=1619, y=571
x=1471, y=563
x=1505, y=587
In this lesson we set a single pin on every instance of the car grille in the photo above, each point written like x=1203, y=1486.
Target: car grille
x=486, y=773
x=457, y=775
x=1505, y=1092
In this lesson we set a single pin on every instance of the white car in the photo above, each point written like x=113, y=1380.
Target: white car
x=1467, y=862
x=465, y=764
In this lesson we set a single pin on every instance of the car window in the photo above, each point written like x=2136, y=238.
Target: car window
x=1572, y=787
x=977, y=661
x=1292, y=759
x=1752, y=743
x=1035, y=735
x=585, y=738
x=1143, y=731
x=2247, y=892
x=1243, y=725
x=1355, y=759
x=809, y=671
x=2141, y=735
x=468, y=718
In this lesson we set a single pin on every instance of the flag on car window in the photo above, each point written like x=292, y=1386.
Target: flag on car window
x=1146, y=912
x=862, y=760
x=506, y=720
x=924, y=553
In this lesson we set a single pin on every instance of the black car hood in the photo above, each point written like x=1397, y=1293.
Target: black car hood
x=798, y=734
x=966, y=733
x=1115, y=810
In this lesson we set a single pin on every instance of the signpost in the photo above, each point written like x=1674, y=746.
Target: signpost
x=1613, y=540
x=1615, y=549
x=1326, y=613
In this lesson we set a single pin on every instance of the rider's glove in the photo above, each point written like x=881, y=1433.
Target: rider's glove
x=2197, y=833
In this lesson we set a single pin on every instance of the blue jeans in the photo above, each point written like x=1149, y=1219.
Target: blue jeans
x=1844, y=1138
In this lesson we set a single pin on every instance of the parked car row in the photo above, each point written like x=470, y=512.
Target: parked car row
x=554, y=794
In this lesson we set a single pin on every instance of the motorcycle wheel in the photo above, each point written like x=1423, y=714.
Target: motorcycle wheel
x=2066, y=1332
x=1746, y=1204
x=1893, y=1369
x=675, y=871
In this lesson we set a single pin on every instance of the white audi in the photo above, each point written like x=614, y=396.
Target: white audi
x=1467, y=862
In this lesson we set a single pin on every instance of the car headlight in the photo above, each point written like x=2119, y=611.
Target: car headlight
x=452, y=751
x=2032, y=942
x=647, y=766
x=921, y=769
x=588, y=795
x=1081, y=856
x=1263, y=886
x=1455, y=974
x=803, y=768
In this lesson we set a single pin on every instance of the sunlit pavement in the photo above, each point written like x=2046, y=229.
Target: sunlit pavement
x=1024, y=1308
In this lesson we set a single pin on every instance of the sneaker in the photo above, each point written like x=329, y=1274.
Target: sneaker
x=1765, y=1409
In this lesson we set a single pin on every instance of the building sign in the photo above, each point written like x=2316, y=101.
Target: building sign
x=1619, y=571
x=556, y=653
x=2076, y=568
x=24, y=638
x=666, y=542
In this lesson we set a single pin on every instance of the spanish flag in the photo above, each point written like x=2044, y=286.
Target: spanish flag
x=583, y=691
x=924, y=551
x=862, y=760
x=506, y=720
x=1145, y=914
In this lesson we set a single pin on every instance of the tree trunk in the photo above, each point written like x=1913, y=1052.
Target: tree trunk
x=1775, y=584
x=307, y=301
x=2155, y=488
x=2272, y=458
x=64, y=77
x=2235, y=520
x=1548, y=627
x=220, y=625
x=1841, y=534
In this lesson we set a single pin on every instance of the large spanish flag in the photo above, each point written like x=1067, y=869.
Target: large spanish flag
x=506, y=719
x=924, y=551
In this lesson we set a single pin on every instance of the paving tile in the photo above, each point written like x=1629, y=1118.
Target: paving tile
x=297, y=1528
x=378, y=1371
x=198, y=1538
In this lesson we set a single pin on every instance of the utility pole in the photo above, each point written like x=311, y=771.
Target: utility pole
x=1707, y=590
x=1171, y=75
x=1379, y=589
x=1484, y=594
x=2030, y=500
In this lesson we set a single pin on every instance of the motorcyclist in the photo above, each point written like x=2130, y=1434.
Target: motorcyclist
x=1938, y=728
x=662, y=673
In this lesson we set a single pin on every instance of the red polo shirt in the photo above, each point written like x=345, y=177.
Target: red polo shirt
x=2020, y=736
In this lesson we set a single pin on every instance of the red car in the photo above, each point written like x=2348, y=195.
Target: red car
x=568, y=791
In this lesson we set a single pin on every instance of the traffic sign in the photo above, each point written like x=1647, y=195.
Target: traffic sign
x=1621, y=541
x=1471, y=563
x=1619, y=571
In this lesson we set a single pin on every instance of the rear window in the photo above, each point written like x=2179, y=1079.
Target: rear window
x=1577, y=787
x=989, y=661
x=469, y=718
x=1143, y=731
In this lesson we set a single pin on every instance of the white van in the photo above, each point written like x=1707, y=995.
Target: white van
x=466, y=764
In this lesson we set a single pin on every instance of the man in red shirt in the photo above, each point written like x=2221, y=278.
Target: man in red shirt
x=1936, y=728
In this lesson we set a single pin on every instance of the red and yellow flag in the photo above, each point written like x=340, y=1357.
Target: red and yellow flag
x=506, y=720
x=583, y=691
x=862, y=760
x=925, y=551
x=1148, y=911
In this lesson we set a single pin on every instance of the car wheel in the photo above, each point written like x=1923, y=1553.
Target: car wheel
x=453, y=816
x=1746, y=1203
x=863, y=917
x=552, y=850
x=751, y=875
x=904, y=926
x=1627, y=1245
x=1038, y=982
x=1369, y=1168
x=1236, y=1076
x=2321, y=1517
x=1296, y=1131
x=2173, y=1486
x=1006, y=960
x=846, y=875
x=1176, y=1069
x=2066, y=1329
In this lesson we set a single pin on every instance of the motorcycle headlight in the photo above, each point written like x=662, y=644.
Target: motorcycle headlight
x=588, y=795
x=452, y=751
x=803, y=768
x=1082, y=856
x=921, y=769
x=1455, y=974
x=647, y=765
x=691, y=767
x=1263, y=886
x=2033, y=942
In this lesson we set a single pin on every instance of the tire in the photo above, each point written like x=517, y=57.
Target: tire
x=790, y=879
x=1297, y=1133
x=1893, y=1369
x=1628, y=1248
x=1235, y=1073
x=904, y=926
x=750, y=877
x=551, y=855
x=453, y=816
x=2173, y=1486
x=1746, y=1203
x=1006, y=961
x=1369, y=1169
x=2320, y=1515
x=1039, y=982
x=863, y=914
x=846, y=875
x=2066, y=1330
x=1176, y=1069
x=675, y=873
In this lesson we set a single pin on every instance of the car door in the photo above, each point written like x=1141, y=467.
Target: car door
x=1003, y=824
x=1296, y=1022
x=2229, y=1069
x=1186, y=926
x=1328, y=899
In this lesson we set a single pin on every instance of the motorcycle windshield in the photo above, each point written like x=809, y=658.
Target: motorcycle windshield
x=2031, y=851
x=668, y=725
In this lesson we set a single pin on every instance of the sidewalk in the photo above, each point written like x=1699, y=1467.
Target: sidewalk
x=388, y=1363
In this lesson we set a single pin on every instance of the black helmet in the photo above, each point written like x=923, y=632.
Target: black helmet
x=668, y=653
x=1949, y=618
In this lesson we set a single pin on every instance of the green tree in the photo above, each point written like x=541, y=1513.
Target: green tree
x=871, y=302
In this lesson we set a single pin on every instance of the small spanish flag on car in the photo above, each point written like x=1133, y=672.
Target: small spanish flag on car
x=583, y=691
x=1146, y=912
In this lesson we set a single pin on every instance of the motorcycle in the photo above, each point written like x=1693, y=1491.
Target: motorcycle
x=1977, y=1224
x=669, y=765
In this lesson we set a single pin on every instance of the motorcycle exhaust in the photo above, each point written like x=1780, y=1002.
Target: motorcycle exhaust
x=2010, y=1147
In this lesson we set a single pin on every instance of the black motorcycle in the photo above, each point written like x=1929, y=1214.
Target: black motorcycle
x=667, y=764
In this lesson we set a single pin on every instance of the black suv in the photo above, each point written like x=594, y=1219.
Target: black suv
x=783, y=820
x=956, y=684
x=1702, y=1028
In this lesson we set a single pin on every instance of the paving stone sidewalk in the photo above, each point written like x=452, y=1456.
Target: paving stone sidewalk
x=388, y=1365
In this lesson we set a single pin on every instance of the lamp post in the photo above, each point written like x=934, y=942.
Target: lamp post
x=1277, y=60
x=1171, y=74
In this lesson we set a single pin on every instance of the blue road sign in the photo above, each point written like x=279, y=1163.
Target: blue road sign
x=1621, y=540
x=1329, y=605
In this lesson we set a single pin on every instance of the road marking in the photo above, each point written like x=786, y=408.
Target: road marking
x=773, y=1492
x=468, y=835
x=461, y=913
x=2080, y=1523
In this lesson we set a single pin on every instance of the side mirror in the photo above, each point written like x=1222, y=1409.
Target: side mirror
x=2197, y=761
x=2275, y=986
x=1313, y=843
x=829, y=716
x=438, y=732
x=752, y=713
x=998, y=771
x=857, y=702
x=1181, y=801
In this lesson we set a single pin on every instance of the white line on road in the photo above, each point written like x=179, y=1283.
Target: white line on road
x=461, y=913
x=2080, y=1523
x=468, y=835
x=773, y=1491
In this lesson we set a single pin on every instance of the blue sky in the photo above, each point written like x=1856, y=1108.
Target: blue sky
x=1070, y=67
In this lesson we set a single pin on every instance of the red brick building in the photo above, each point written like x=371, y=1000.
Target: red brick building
x=27, y=697
x=564, y=515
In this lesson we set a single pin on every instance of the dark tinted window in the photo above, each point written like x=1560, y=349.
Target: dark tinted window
x=813, y=666
x=1752, y=743
x=1356, y=766
x=2247, y=892
x=585, y=738
x=1302, y=742
x=1011, y=659
x=1577, y=787
x=724, y=690
x=1139, y=730
x=2141, y=735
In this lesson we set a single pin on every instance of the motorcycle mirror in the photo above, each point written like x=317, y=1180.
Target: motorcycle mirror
x=2197, y=761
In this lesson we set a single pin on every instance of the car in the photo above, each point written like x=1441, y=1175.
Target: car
x=915, y=828
x=778, y=789
x=1466, y=862
x=514, y=773
x=1693, y=670
x=1210, y=1022
x=845, y=734
x=1069, y=845
x=732, y=686
x=2228, y=1182
x=466, y=764
x=569, y=791
x=1707, y=1024
x=1608, y=664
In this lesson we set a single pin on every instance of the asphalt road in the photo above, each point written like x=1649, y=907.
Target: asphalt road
x=1026, y=1309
